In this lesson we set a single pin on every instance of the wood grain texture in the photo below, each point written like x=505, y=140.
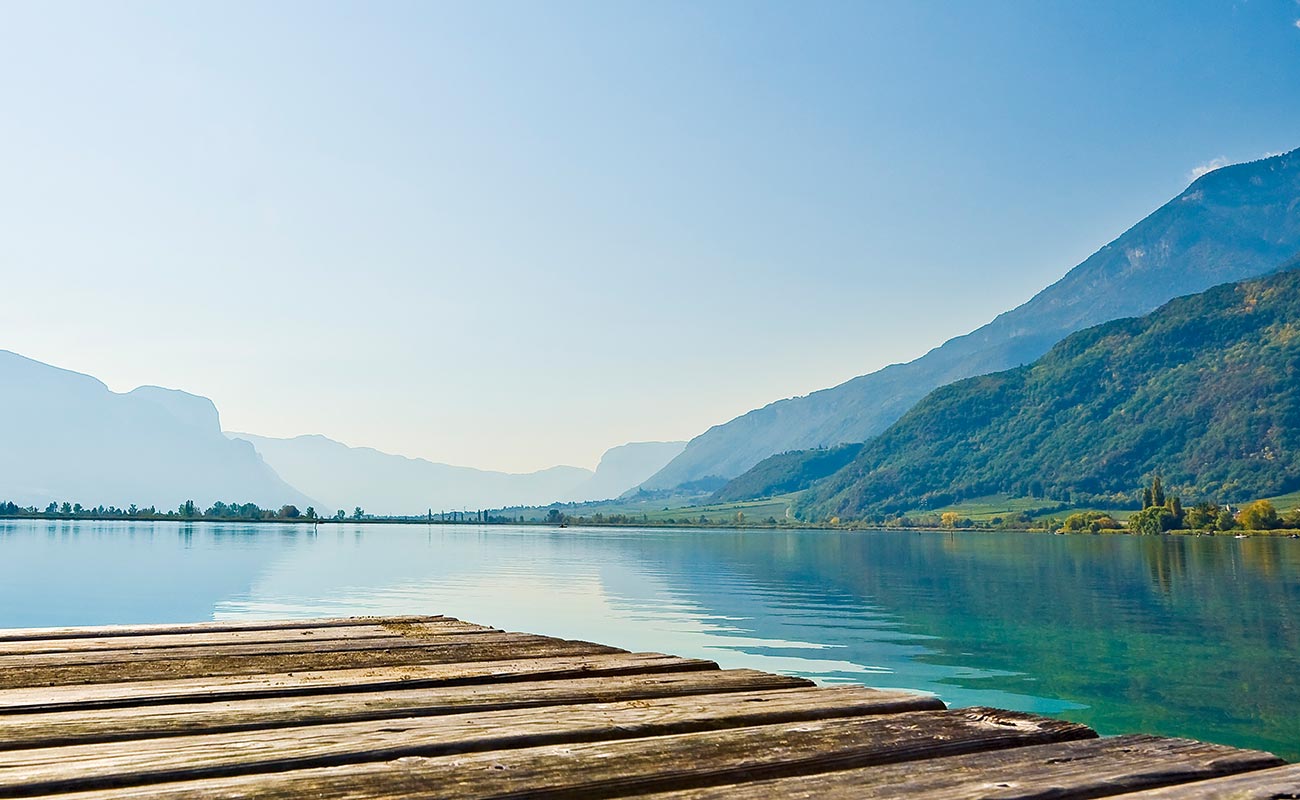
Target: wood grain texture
x=25, y=772
x=1282, y=783
x=112, y=658
x=28, y=634
x=156, y=641
x=84, y=727
x=636, y=766
x=1081, y=769
x=473, y=649
x=104, y=696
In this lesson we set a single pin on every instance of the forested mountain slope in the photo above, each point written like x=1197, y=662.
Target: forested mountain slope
x=1205, y=391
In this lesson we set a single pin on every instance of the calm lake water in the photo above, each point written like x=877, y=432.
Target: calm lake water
x=1180, y=636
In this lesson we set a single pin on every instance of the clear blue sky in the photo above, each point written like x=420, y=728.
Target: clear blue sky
x=514, y=234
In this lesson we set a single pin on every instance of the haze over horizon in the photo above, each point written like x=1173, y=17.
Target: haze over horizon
x=510, y=237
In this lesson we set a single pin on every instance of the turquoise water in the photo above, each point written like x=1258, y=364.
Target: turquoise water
x=1180, y=636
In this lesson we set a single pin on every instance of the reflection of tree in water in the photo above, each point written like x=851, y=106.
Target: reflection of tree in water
x=1217, y=575
x=1167, y=562
x=1180, y=635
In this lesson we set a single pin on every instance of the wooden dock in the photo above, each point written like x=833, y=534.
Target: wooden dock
x=435, y=707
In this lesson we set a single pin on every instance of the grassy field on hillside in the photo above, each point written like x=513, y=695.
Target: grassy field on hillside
x=986, y=509
x=755, y=511
x=1286, y=502
x=660, y=510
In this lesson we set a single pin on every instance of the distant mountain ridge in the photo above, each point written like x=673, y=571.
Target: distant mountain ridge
x=1204, y=391
x=1236, y=222
x=383, y=483
x=623, y=468
x=68, y=438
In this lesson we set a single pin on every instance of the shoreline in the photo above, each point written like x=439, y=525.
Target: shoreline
x=812, y=526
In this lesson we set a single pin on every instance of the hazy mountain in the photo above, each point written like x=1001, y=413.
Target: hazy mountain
x=66, y=437
x=1205, y=392
x=623, y=468
x=382, y=483
x=1234, y=223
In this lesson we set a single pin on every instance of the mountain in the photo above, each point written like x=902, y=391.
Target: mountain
x=67, y=437
x=1204, y=392
x=786, y=472
x=382, y=483
x=624, y=468
x=1233, y=223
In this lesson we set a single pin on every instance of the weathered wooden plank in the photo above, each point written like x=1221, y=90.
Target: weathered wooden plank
x=25, y=634
x=157, y=669
x=1282, y=783
x=111, y=658
x=1081, y=769
x=106, y=696
x=84, y=727
x=436, y=627
x=640, y=765
x=172, y=758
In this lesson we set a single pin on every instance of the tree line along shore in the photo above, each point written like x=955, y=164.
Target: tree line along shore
x=1160, y=513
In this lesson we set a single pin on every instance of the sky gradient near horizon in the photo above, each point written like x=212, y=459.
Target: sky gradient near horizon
x=510, y=235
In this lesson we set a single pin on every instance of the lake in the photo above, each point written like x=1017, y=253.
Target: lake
x=1182, y=636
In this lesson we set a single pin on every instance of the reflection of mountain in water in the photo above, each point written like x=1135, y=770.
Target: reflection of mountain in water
x=1147, y=632
x=800, y=617
x=61, y=573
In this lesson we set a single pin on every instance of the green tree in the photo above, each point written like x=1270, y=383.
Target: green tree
x=1089, y=521
x=1226, y=521
x=1153, y=520
x=289, y=512
x=357, y=513
x=1201, y=517
x=1175, y=506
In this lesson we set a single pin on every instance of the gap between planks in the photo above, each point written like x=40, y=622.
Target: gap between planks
x=27, y=634
x=418, y=630
x=339, y=681
x=467, y=649
x=212, y=651
x=56, y=729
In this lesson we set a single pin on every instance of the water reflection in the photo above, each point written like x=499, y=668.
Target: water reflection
x=1175, y=635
